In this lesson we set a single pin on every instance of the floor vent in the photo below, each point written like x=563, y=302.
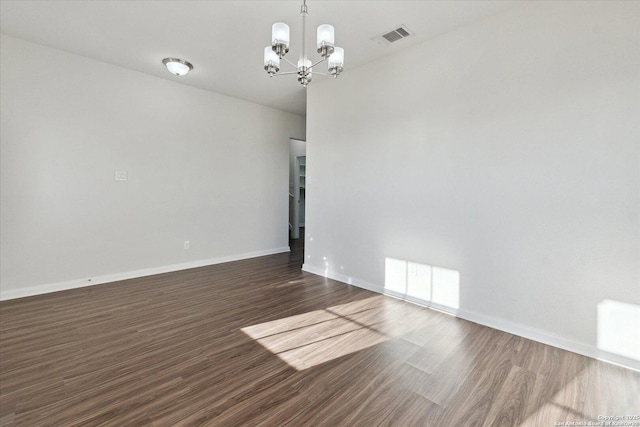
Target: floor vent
x=393, y=36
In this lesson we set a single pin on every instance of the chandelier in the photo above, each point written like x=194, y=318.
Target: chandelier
x=325, y=45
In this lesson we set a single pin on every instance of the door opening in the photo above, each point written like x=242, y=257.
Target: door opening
x=297, y=186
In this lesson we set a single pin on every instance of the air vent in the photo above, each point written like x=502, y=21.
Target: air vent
x=393, y=36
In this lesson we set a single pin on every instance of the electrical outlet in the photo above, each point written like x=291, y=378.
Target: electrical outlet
x=186, y=244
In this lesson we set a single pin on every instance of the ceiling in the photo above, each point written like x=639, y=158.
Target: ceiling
x=225, y=40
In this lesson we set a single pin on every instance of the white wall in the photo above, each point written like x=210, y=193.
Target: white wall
x=201, y=167
x=508, y=151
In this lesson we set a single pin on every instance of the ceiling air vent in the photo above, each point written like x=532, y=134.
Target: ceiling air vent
x=393, y=36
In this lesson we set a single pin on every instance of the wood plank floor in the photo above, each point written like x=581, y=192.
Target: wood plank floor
x=258, y=342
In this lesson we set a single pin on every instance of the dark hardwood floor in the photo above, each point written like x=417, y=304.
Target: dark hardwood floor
x=259, y=342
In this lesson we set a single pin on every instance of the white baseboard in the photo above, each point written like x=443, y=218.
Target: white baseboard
x=533, y=334
x=72, y=284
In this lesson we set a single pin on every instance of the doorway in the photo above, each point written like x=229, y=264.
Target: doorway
x=297, y=186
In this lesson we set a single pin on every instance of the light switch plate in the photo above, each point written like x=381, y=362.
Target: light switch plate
x=121, y=175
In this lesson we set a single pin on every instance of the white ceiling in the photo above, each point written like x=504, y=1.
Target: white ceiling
x=225, y=40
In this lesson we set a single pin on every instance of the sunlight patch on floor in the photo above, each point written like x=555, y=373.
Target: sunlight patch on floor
x=589, y=395
x=309, y=339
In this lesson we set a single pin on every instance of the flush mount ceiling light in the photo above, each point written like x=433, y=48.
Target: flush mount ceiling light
x=325, y=46
x=176, y=66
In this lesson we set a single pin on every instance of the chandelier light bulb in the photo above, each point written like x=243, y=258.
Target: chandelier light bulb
x=304, y=71
x=304, y=63
x=326, y=35
x=337, y=58
x=336, y=62
x=280, y=34
x=271, y=61
x=270, y=57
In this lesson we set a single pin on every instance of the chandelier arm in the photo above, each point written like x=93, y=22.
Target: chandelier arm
x=323, y=74
x=322, y=60
x=286, y=73
x=290, y=63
